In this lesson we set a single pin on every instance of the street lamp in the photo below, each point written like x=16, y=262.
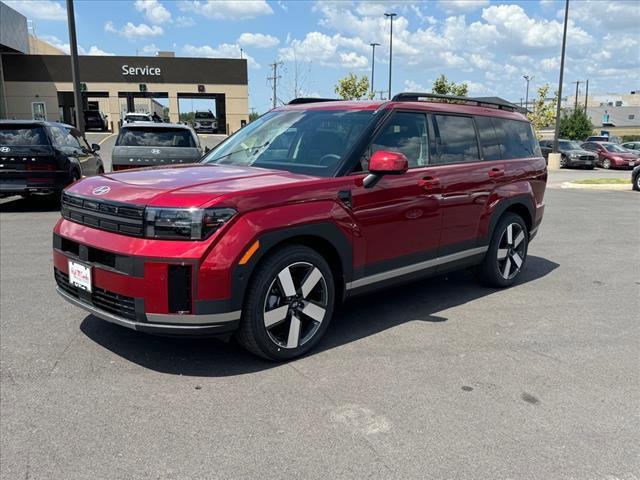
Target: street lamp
x=373, y=61
x=564, y=46
x=390, y=16
x=528, y=78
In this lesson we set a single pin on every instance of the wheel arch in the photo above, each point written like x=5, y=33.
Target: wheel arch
x=522, y=205
x=325, y=238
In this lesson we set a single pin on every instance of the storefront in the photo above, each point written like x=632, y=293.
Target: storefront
x=40, y=86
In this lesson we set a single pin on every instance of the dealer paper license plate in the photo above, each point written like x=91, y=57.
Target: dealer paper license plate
x=80, y=275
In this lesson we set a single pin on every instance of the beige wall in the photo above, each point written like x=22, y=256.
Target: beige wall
x=21, y=94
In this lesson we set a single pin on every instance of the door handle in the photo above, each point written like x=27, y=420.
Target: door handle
x=496, y=172
x=429, y=183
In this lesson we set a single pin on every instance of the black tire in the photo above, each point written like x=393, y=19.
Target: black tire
x=563, y=162
x=606, y=164
x=636, y=183
x=490, y=272
x=100, y=170
x=262, y=298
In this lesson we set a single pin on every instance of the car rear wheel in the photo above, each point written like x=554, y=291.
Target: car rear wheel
x=563, y=162
x=288, y=305
x=606, y=164
x=636, y=183
x=507, y=252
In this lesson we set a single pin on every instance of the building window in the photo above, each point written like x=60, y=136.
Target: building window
x=632, y=117
x=38, y=110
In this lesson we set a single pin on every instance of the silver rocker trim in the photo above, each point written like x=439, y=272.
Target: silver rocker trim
x=416, y=267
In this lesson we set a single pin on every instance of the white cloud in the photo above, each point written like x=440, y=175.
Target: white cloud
x=258, y=40
x=352, y=60
x=458, y=6
x=39, y=9
x=150, y=50
x=411, y=86
x=228, y=9
x=66, y=48
x=477, y=88
x=153, y=10
x=183, y=21
x=224, y=50
x=332, y=51
x=132, y=31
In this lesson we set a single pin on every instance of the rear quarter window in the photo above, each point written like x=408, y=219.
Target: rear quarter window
x=24, y=135
x=516, y=139
x=455, y=139
x=488, y=139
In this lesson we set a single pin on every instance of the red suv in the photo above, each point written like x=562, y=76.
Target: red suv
x=310, y=204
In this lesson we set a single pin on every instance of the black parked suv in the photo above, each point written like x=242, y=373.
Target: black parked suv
x=572, y=154
x=94, y=119
x=38, y=157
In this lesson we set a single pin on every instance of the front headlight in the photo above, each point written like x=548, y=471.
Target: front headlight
x=574, y=155
x=184, y=223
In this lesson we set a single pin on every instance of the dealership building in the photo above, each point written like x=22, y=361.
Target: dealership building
x=35, y=82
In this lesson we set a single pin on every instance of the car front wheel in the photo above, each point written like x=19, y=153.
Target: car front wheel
x=288, y=305
x=606, y=164
x=507, y=252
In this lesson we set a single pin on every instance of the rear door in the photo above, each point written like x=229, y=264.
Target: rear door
x=400, y=217
x=465, y=179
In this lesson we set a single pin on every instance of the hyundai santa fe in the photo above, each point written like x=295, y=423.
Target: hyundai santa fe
x=312, y=203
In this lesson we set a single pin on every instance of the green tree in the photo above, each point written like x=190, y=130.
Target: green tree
x=253, y=116
x=575, y=125
x=543, y=113
x=443, y=86
x=353, y=88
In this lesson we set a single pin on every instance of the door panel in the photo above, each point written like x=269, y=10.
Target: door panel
x=400, y=217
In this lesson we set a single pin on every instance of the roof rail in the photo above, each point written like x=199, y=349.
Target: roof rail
x=436, y=97
x=298, y=101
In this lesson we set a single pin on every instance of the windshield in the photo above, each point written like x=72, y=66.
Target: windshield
x=22, y=135
x=204, y=115
x=155, y=137
x=612, y=147
x=569, y=145
x=311, y=142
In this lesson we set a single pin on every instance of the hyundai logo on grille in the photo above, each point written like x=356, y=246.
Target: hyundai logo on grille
x=155, y=151
x=101, y=190
x=5, y=149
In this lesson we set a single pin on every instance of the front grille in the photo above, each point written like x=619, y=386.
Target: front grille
x=104, y=215
x=119, y=305
x=586, y=158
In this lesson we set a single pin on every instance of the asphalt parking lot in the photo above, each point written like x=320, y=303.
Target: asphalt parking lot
x=437, y=379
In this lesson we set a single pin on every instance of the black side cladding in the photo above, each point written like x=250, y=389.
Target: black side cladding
x=179, y=286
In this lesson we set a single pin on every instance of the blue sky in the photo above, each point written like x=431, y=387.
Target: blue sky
x=490, y=45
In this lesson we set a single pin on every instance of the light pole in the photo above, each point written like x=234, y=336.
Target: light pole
x=564, y=45
x=528, y=78
x=75, y=69
x=390, y=16
x=373, y=61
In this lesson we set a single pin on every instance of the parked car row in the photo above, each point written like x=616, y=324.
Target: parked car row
x=591, y=154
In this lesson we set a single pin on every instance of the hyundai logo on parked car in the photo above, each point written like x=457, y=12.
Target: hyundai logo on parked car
x=155, y=151
x=101, y=190
x=5, y=149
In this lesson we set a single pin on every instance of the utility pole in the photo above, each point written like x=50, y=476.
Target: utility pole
x=586, y=97
x=528, y=78
x=564, y=47
x=373, y=61
x=275, y=78
x=75, y=68
x=390, y=16
x=241, y=50
x=575, y=108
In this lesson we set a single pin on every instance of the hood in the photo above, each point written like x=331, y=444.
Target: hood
x=181, y=186
x=625, y=155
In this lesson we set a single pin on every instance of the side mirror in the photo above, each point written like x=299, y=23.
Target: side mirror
x=95, y=147
x=385, y=162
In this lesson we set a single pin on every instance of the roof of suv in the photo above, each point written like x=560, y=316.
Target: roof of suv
x=156, y=125
x=418, y=105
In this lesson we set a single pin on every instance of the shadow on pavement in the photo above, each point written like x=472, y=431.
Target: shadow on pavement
x=357, y=319
x=34, y=203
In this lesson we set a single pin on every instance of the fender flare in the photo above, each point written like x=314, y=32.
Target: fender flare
x=504, y=205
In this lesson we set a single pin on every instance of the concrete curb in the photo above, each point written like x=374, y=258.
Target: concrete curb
x=597, y=186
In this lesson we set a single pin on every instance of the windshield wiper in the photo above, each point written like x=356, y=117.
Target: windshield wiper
x=258, y=147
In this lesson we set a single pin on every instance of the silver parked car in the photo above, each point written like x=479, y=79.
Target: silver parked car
x=147, y=144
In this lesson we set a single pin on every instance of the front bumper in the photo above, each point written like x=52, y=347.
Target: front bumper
x=215, y=324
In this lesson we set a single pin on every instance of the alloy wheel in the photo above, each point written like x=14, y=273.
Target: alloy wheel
x=563, y=162
x=295, y=305
x=606, y=164
x=511, y=251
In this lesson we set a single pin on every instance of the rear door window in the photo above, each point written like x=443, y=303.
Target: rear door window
x=516, y=138
x=22, y=135
x=155, y=137
x=488, y=139
x=63, y=137
x=455, y=139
